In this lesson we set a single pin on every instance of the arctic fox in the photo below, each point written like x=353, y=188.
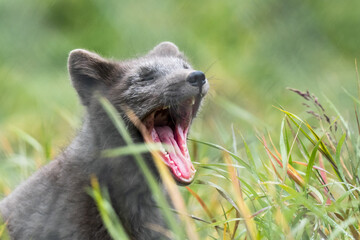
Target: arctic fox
x=163, y=91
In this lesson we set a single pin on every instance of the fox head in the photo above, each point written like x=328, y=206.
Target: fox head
x=160, y=89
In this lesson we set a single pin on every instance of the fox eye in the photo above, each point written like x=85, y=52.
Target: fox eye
x=149, y=77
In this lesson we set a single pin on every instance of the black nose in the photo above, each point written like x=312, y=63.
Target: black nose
x=196, y=78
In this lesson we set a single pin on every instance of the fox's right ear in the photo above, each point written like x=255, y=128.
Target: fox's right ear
x=165, y=49
x=89, y=73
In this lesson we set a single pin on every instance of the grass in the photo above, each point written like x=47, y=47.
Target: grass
x=304, y=185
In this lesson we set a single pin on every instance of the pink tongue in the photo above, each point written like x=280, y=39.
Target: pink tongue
x=178, y=153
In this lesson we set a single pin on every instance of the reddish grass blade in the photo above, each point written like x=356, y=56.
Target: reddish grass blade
x=324, y=177
x=315, y=167
x=292, y=173
x=203, y=205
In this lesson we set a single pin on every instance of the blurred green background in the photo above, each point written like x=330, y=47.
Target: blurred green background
x=250, y=50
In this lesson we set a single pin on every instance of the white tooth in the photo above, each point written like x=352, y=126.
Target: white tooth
x=192, y=100
x=166, y=107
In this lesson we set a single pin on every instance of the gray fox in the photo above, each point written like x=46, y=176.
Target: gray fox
x=164, y=93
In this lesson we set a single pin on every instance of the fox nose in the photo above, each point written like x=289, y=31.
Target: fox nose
x=196, y=79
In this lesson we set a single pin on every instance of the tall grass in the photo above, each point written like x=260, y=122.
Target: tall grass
x=303, y=186
x=300, y=182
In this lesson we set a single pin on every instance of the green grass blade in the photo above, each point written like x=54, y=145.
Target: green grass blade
x=283, y=150
x=222, y=222
x=252, y=190
x=299, y=229
x=291, y=117
x=338, y=154
x=288, y=148
x=221, y=191
x=131, y=149
x=309, y=168
x=107, y=213
x=237, y=158
x=317, y=210
x=233, y=139
x=217, y=165
x=323, y=149
x=345, y=224
x=249, y=155
x=151, y=181
x=29, y=139
x=304, y=150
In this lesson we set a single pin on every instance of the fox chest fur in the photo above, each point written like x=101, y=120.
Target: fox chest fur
x=163, y=93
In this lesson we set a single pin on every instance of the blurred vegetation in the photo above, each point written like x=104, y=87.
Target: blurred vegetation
x=250, y=50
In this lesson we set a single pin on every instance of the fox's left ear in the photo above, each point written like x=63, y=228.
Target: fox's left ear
x=89, y=72
x=166, y=49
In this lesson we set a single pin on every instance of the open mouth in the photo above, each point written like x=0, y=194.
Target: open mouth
x=169, y=126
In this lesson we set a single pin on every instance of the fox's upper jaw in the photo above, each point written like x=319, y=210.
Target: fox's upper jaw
x=161, y=89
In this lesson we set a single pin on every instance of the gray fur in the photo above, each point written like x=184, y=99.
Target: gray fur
x=53, y=203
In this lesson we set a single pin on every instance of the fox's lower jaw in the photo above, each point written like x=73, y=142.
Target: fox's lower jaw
x=169, y=126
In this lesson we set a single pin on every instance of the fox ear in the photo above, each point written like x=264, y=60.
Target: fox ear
x=89, y=72
x=167, y=49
